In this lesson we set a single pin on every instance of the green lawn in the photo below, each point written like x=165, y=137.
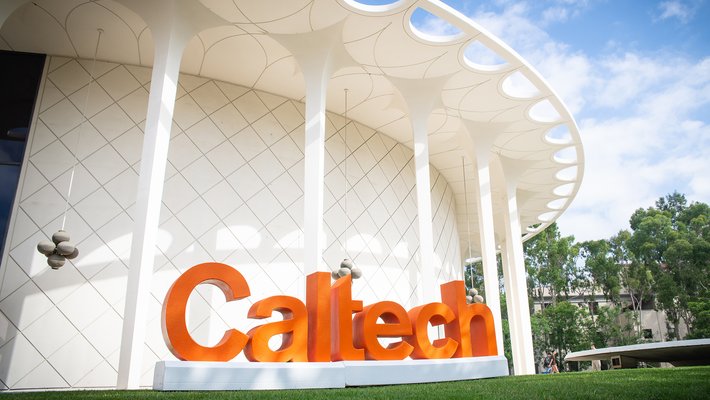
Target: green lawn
x=670, y=383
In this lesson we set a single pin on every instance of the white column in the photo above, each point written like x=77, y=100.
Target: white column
x=314, y=165
x=521, y=331
x=481, y=136
x=161, y=103
x=423, y=186
x=319, y=54
x=488, y=244
x=171, y=32
x=422, y=96
x=510, y=301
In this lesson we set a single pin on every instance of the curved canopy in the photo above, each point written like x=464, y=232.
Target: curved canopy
x=487, y=91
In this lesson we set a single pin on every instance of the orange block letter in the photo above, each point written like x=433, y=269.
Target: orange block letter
x=175, y=332
x=293, y=328
x=473, y=327
x=318, y=305
x=437, y=314
x=341, y=322
x=367, y=330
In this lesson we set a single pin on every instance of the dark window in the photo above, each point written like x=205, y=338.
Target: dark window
x=20, y=75
x=647, y=334
x=648, y=304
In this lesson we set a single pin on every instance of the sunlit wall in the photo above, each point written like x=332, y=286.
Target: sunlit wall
x=233, y=194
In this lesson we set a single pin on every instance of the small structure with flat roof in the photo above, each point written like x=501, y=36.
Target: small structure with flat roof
x=678, y=353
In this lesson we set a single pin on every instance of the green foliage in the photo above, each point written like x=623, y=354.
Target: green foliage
x=473, y=277
x=602, y=270
x=664, y=259
x=541, y=330
x=701, y=311
x=550, y=262
x=636, y=278
x=563, y=327
x=507, y=347
x=671, y=241
x=614, y=326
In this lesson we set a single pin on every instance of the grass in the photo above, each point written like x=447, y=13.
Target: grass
x=667, y=383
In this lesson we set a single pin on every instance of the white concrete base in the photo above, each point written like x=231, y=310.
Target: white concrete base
x=195, y=375
x=186, y=375
x=366, y=373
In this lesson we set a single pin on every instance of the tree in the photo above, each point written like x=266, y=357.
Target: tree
x=473, y=277
x=691, y=253
x=602, y=269
x=672, y=241
x=664, y=258
x=563, y=327
x=550, y=261
x=604, y=262
x=614, y=327
x=636, y=278
x=541, y=331
x=701, y=311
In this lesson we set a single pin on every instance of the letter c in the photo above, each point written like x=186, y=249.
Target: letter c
x=175, y=331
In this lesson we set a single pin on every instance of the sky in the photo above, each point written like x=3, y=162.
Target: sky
x=636, y=76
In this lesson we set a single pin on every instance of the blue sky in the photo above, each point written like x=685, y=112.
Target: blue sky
x=636, y=76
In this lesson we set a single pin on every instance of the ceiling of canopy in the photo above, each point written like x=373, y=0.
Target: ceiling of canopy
x=489, y=90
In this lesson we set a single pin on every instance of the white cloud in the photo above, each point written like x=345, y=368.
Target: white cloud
x=563, y=10
x=626, y=77
x=675, y=9
x=435, y=26
x=568, y=72
x=555, y=14
x=651, y=148
x=642, y=120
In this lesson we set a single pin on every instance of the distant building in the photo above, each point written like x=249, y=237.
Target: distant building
x=654, y=325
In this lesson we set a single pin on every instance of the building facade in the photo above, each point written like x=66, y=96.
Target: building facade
x=652, y=326
x=278, y=137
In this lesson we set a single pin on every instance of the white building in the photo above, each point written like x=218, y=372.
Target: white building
x=216, y=130
x=652, y=324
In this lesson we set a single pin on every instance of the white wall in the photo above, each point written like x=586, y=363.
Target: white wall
x=233, y=193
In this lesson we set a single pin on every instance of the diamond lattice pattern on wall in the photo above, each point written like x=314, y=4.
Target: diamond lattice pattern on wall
x=233, y=193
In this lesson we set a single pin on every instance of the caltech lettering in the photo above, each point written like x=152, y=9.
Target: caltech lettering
x=324, y=329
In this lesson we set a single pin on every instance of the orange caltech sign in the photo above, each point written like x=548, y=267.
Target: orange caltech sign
x=324, y=329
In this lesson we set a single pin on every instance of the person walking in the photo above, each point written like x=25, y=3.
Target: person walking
x=547, y=363
x=553, y=363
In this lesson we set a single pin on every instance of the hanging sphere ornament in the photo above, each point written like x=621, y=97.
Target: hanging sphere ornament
x=46, y=247
x=346, y=268
x=74, y=254
x=478, y=298
x=472, y=292
x=58, y=250
x=469, y=299
x=56, y=261
x=347, y=263
x=60, y=236
x=356, y=273
x=65, y=248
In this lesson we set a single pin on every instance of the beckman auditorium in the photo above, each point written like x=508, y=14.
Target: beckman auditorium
x=276, y=137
